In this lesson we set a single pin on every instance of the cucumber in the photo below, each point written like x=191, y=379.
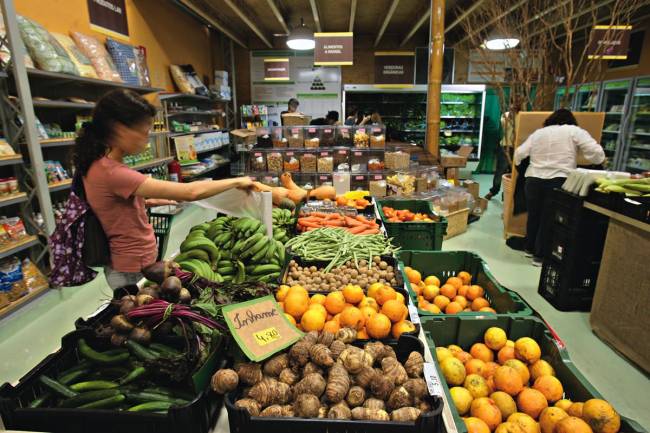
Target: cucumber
x=93, y=385
x=57, y=387
x=152, y=406
x=147, y=397
x=172, y=393
x=73, y=376
x=98, y=357
x=82, y=365
x=105, y=403
x=136, y=373
x=89, y=397
x=140, y=351
x=164, y=349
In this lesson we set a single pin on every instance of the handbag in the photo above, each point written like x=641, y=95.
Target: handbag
x=96, y=250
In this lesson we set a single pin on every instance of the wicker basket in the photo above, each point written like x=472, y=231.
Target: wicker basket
x=456, y=223
x=513, y=225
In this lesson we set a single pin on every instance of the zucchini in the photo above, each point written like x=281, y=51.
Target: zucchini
x=105, y=403
x=89, y=397
x=140, y=351
x=98, y=357
x=82, y=365
x=57, y=387
x=133, y=375
x=152, y=406
x=73, y=376
x=93, y=385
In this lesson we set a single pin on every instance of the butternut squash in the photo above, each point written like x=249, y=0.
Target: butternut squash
x=287, y=181
x=259, y=186
x=297, y=195
x=279, y=193
x=324, y=192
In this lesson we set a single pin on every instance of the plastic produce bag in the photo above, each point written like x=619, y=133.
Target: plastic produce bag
x=124, y=59
x=46, y=52
x=5, y=54
x=82, y=63
x=98, y=56
x=235, y=202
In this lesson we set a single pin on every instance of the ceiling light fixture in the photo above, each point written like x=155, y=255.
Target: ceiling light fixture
x=301, y=38
x=498, y=42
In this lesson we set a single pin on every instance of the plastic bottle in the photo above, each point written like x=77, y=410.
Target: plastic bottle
x=175, y=171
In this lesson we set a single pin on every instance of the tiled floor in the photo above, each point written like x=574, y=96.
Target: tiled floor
x=34, y=331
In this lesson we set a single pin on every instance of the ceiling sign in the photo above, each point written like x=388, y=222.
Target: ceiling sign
x=108, y=17
x=609, y=42
x=334, y=49
x=394, y=69
x=276, y=69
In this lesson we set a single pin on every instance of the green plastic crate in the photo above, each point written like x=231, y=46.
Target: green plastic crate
x=445, y=264
x=413, y=235
x=465, y=331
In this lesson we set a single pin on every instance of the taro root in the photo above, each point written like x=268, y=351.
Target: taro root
x=288, y=376
x=326, y=338
x=121, y=324
x=400, y=397
x=310, y=368
x=394, y=370
x=339, y=411
x=362, y=413
x=356, y=396
x=250, y=405
x=274, y=410
x=374, y=403
x=275, y=365
x=299, y=353
x=249, y=373
x=346, y=335
x=414, y=365
x=416, y=387
x=287, y=410
x=376, y=349
x=365, y=377
x=224, y=380
x=310, y=338
x=405, y=414
x=269, y=391
x=423, y=405
x=321, y=355
x=382, y=387
x=338, y=384
x=354, y=359
x=306, y=406
x=336, y=348
x=312, y=383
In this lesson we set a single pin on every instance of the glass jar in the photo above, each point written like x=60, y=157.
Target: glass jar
x=312, y=137
x=325, y=162
x=328, y=136
x=378, y=137
x=258, y=162
x=308, y=162
x=275, y=162
x=341, y=160
x=361, y=138
x=264, y=138
x=291, y=162
x=344, y=136
x=294, y=136
x=277, y=137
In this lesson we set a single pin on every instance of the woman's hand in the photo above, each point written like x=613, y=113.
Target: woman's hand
x=245, y=183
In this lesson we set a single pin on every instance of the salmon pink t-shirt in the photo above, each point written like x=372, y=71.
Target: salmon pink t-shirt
x=110, y=187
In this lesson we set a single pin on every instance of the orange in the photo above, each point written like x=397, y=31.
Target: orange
x=465, y=277
x=482, y=352
x=384, y=294
x=448, y=290
x=524, y=422
x=414, y=276
x=541, y=368
x=476, y=385
x=441, y=301
x=442, y=353
x=486, y=409
x=507, y=379
x=290, y=318
x=490, y=369
x=455, y=281
x=476, y=425
x=550, y=417
x=369, y=302
x=453, y=308
x=429, y=292
x=312, y=320
x=394, y=310
x=351, y=317
x=462, y=399
x=550, y=386
x=576, y=409
x=563, y=404
x=463, y=290
x=505, y=354
x=367, y=312
x=362, y=334
x=296, y=304
x=455, y=348
x=531, y=402
x=521, y=368
x=495, y=338
x=601, y=416
x=461, y=301
x=432, y=280
x=337, y=318
x=378, y=326
x=475, y=292
x=353, y=294
x=432, y=308
x=417, y=289
x=453, y=370
x=490, y=383
x=475, y=366
x=401, y=327
x=298, y=289
x=400, y=297
x=374, y=288
x=319, y=308
x=488, y=310
x=282, y=292
x=334, y=302
x=317, y=299
x=505, y=403
x=508, y=427
x=462, y=356
x=572, y=425
x=479, y=303
x=527, y=350
x=331, y=326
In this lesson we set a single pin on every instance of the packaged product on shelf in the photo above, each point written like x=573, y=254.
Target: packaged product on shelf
x=11, y=279
x=426, y=179
x=291, y=163
x=344, y=136
x=55, y=172
x=401, y=184
x=359, y=182
x=258, y=163
x=141, y=62
x=5, y=148
x=325, y=162
x=397, y=160
x=5, y=53
x=377, y=187
x=342, y=160
x=33, y=278
x=327, y=136
x=361, y=138
x=312, y=137
x=324, y=179
x=308, y=163
x=124, y=60
x=46, y=51
x=13, y=185
x=277, y=138
x=378, y=137
x=98, y=56
x=14, y=228
x=83, y=63
x=358, y=161
x=264, y=138
x=294, y=136
x=275, y=162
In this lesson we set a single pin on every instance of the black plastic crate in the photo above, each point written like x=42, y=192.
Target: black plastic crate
x=198, y=416
x=568, y=288
x=161, y=224
x=580, y=248
x=241, y=422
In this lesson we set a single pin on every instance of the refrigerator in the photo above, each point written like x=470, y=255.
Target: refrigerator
x=635, y=154
x=586, y=98
x=559, y=95
x=614, y=102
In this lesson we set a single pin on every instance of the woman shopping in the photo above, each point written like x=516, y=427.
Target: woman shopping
x=118, y=194
x=553, y=153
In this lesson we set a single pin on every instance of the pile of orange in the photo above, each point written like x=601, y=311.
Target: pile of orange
x=457, y=295
x=380, y=313
x=504, y=386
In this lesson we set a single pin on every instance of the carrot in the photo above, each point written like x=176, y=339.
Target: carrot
x=334, y=216
x=311, y=224
x=373, y=231
x=362, y=218
x=351, y=222
x=318, y=214
x=333, y=223
x=310, y=219
x=358, y=229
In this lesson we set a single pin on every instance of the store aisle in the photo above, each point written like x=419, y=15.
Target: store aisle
x=618, y=381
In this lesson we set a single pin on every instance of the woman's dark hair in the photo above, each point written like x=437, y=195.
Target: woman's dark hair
x=561, y=117
x=117, y=106
x=293, y=102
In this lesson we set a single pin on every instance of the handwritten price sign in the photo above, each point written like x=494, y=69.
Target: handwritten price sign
x=266, y=336
x=432, y=379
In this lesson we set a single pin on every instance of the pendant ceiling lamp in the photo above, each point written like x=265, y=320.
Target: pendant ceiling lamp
x=301, y=38
x=498, y=41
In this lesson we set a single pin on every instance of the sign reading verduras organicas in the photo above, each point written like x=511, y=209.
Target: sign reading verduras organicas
x=109, y=17
x=260, y=327
x=334, y=49
x=394, y=68
x=276, y=69
x=609, y=42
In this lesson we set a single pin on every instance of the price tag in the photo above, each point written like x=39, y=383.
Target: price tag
x=312, y=130
x=432, y=379
x=324, y=153
x=358, y=177
x=260, y=327
x=323, y=178
x=327, y=131
x=361, y=130
x=378, y=177
x=295, y=131
x=413, y=313
x=289, y=153
x=342, y=152
x=358, y=153
x=258, y=154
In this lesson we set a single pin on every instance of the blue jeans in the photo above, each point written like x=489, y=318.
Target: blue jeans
x=118, y=279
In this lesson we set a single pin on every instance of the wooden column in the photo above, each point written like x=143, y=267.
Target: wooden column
x=436, y=48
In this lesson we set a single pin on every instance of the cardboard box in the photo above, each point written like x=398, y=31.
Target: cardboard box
x=295, y=119
x=624, y=276
x=481, y=203
x=472, y=187
x=244, y=135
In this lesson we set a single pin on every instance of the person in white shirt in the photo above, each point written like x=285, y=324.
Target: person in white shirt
x=553, y=152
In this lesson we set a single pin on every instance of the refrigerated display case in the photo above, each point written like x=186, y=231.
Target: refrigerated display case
x=636, y=149
x=559, y=97
x=403, y=111
x=614, y=102
x=586, y=98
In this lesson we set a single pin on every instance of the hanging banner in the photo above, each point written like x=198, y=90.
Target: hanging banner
x=108, y=17
x=394, y=69
x=276, y=70
x=609, y=42
x=334, y=49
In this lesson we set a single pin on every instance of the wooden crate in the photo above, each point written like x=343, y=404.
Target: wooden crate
x=456, y=223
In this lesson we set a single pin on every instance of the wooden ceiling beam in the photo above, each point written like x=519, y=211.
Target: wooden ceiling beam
x=353, y=14
x=189, y=5
x=464, y=15
x=314, y=11
x=424, y=18
x=248, y=22
x=278, y=15
x=494, y=20
x=384, y=25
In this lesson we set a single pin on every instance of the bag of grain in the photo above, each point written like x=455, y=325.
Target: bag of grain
x=98, y=56
x=83, y=64
x=46, y=52
x=124, y=59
